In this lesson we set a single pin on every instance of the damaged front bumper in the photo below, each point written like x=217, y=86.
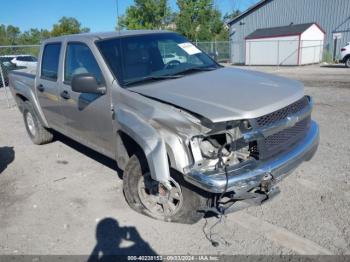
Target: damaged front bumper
x=247, y=177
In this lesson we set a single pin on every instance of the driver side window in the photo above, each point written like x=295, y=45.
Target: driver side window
x=79, y=60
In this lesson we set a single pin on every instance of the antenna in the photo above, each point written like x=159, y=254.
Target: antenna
x=118, y=26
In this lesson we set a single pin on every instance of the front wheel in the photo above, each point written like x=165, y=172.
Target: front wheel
x=180, y=204
x=347, y=62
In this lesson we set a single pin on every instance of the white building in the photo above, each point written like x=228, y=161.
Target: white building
x=332, y=15
x=286, y=45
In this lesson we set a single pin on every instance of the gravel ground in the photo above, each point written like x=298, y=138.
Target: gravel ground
x=54, y=197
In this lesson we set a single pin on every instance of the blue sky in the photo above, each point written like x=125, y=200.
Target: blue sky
x=98, y=15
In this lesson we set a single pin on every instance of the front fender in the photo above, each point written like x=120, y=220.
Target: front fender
x=148, y=138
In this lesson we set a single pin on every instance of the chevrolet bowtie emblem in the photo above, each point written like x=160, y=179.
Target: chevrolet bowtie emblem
x=292, y=120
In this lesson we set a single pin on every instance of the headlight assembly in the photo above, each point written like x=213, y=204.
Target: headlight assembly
x=222, y=147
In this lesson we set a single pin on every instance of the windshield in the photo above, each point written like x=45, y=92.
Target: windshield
x=135, y=59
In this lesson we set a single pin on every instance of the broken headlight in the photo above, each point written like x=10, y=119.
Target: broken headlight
x=220, y=147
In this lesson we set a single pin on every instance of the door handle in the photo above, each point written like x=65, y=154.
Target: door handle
x=65, y=94
x=41, y=88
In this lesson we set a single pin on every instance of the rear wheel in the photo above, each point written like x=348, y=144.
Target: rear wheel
x=347, y=62
x=36, y=131
x=179, y=204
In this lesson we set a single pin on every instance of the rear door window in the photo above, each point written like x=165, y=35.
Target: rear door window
x=50, y=61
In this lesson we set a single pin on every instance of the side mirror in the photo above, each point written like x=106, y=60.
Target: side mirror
x=86, y=83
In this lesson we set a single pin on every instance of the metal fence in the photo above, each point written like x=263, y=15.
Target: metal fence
x=220, y=51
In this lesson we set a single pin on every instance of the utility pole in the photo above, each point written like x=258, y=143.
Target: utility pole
x=118, y=26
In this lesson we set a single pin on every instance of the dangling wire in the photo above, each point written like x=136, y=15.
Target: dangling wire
x=221, y=210
x=209, y=236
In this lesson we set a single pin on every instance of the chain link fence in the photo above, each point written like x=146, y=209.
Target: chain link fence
x=220, y=51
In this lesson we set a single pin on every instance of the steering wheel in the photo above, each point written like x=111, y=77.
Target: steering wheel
x=172, y=64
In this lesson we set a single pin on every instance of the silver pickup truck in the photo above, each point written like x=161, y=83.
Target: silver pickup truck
x=191, y=136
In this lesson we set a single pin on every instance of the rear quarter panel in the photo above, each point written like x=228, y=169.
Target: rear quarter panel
x=22, y=87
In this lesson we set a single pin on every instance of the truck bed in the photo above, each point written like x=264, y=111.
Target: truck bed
x=30, y=71
x=26, y=76
x=22, y=82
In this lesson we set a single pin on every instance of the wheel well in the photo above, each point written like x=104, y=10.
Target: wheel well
x=132, y=147
x=20, y=99
x=346, y=57
x=130, y=144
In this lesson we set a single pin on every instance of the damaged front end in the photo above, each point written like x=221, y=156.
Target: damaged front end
x=241, y=161
x=223, y=145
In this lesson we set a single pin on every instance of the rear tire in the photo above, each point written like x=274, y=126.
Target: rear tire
x=190, y=201
x=347, y=62
x=36, y=131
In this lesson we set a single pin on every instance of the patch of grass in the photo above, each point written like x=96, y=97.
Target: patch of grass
x=327, y=57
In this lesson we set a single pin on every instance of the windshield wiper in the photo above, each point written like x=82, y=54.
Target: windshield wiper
x=151, y=78
x=164, y=77
x=188, y=70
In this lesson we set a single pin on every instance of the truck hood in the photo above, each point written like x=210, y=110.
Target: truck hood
x=226, y=93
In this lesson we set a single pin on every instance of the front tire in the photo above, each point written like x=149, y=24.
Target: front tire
x=145, y=195
x=36, y=131
x=347, y=62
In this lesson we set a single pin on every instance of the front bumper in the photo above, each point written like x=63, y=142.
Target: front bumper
x=245, y=178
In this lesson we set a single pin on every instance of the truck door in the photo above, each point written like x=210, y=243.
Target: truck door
x=88, y=116
x=47, y=85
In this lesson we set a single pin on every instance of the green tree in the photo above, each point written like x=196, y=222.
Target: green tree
x=146, y=14
x=232, y=15
x=9, y=35
x=3, y=37
x=223, y=35
x=217, y=27
x=12, y=34
x=199, y=20
x=68, y=26
x=34, y=36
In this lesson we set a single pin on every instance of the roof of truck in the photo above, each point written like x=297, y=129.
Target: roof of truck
x=105, y=35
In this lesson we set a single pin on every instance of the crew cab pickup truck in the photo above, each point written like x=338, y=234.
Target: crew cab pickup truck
x=191, y=136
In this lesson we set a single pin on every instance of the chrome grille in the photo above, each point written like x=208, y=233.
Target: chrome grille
x=285, y=139
x=285, y=135
x=282, y=113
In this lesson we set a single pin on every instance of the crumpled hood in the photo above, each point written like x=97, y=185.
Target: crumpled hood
x=226, y=94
